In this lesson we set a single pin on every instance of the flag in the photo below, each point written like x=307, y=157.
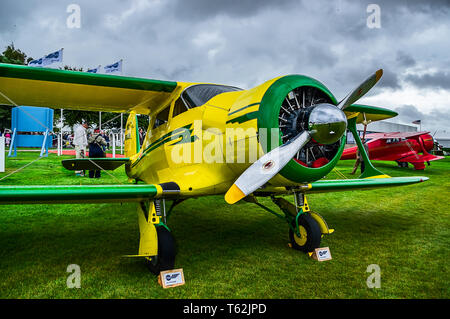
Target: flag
x=36, y=63
x=417, y=122
x=115, y=67
x=94, y=70
x=53, y=57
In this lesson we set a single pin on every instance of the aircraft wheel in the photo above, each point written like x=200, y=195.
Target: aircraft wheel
x=310, y=234
x=402, y=164
x=165, y=260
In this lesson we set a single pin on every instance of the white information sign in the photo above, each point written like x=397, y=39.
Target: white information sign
x=322, y=254
x=171, y=278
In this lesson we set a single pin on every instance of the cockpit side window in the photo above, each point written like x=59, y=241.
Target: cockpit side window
x=179, y=107
x=162, y=117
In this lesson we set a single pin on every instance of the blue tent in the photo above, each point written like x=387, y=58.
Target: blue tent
x=31, y=126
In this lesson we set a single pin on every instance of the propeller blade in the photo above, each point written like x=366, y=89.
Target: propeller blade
x=266, y=167
x=362, y=89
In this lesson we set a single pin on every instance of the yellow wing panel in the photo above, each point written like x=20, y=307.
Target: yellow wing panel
x=369, y=113
x=22, y=85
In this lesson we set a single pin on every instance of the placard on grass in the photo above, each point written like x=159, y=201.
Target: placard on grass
x=321, y=254
x=171, y=278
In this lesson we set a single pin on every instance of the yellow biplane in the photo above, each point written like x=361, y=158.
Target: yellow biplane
x=281, y=137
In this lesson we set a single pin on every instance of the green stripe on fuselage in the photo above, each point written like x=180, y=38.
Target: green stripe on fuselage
x=242, y=108
x=244, y=118
x=171, y=136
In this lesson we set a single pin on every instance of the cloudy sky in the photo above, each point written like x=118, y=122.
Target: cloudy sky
x=247, y=42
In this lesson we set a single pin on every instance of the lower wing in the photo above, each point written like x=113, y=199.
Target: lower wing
x=323, y=186
x=420, y=158
x=58, y=194
x=109, y=164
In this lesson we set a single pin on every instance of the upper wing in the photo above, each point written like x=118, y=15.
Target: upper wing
x=323, y=186
x=52, y=194
x=402, y=134
x=369, y=113
x=23, y=85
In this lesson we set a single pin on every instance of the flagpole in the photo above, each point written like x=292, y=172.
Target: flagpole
x=121, y=133
x=61, y=131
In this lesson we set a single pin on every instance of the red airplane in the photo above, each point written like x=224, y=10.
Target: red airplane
x=401, y=147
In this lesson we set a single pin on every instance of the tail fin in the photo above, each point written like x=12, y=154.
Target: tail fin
x=132, y=144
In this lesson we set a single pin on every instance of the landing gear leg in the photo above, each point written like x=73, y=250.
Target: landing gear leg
x=402, y=164
x=306, y=228
x=305, y=234
x=156, y=244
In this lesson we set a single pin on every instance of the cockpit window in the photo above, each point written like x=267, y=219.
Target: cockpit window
x=199, y=94
x=179, y=107
x=162, y=117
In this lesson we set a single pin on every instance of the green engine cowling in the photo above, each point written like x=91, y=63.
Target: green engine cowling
x=280, y=108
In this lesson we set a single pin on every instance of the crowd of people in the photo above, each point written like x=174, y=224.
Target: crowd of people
x=68, y=138
x=94, y=143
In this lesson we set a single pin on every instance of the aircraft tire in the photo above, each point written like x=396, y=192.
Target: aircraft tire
x=310, y=230
x=165, y=260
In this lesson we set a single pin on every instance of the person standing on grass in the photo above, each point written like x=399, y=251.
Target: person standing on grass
x=80, y=142
x=7, y=138
x=96, y=145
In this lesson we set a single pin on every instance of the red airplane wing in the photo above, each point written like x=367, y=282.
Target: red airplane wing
x=420, y=158
x=395, y=156
x=400, y=135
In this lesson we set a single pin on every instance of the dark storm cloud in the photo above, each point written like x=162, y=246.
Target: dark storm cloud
x=321, y=56
x=13, y=14
x=194, y=9
x=427, y=6
x=432, y=120
x=404, y=59
x=440, y=79
x=389, y=80
x=246, y=42
x=434, y=6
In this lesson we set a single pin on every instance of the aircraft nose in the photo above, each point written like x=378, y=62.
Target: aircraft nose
x=327, y=123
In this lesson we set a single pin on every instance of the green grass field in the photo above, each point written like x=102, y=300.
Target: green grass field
x=237, y=251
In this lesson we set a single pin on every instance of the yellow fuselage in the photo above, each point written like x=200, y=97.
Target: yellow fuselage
x=210, y=165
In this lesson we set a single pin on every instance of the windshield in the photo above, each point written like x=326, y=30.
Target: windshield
x=197, y=95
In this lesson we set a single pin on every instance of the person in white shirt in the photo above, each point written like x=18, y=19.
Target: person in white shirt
x=80, y=142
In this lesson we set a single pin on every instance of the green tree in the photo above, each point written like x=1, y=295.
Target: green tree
x=14, y=56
